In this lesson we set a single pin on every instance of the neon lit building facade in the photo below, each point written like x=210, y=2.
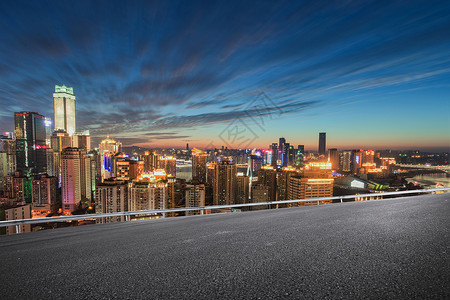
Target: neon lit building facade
x=64, y=109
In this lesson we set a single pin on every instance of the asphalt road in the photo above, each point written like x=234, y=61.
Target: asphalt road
x=376, y=249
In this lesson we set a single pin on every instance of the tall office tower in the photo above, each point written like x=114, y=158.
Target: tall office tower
x=30, y=143
x=53, y=162
x=43, y=192
x=322, y=143
x=290, y=156
x=111, y=196
x=299, y=155
x=95, y=166
x=347, y=158
x=59, y=140
x=357, y=160
x=3, y=168
x=255, y=164
x=195, y=197
x=333, y=158
x=274, y=162
x=76, y=184
x=148, y=191
x=18, y=213
x=224, y=186
x=107, y=149
x=281, y=147
x=199, y=158
x=268, y=176
x=82, y=140
x=316, y=181
x=285, y=154
x=172, y=195
x=64, y=109
x=242, y=188
x=48, y=130
x=169, y=164
x=8, y=147
x=151, y=161
x=17, y=187
x=284, y=176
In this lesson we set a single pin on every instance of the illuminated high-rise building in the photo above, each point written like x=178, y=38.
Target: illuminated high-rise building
x=17, y=186
x=199, y=165
x=43, y=193
x=267, y=176
x=151, y=161
x=82, y=140
x=64, y=109
x=255, y=163
x=169, y=164
x=7, y=156
x=148, y=191
x=283, y=178
x=107, y=149
x=316, y=181
x=322, y=143
x=195, y=197
x=59, y=140
x=111, y=196
x=281, y=151
x=333, y=158
x=224, y=182
x=76, y=184
x=127, y=169
x=242, y=188
x=357, y=160
x=274, y=161
x=347, y=157
x=30, y=143
x=299, y=155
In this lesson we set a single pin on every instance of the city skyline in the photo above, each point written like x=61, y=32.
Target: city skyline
x=369, y=75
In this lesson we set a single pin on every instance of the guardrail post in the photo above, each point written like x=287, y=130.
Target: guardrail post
x=127, y=218
x=341, y=199
x=18, y=229
x=318, y=202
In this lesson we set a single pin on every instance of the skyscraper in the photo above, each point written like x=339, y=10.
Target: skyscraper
x=148, y=192
x=274, y=161
x=224, y=185
x=283, y=178
x=7, y=156
x=316, y=181
x=64, y=109
x=107, y=148
x=242, y=188
x=75, y=179
x=195, y=197
x=333, y=158
x=281, y=153
x=111, y=196
x=30, y=143
x=322, y=143
x=169, y=164
x=199, y=165
x=267, y=176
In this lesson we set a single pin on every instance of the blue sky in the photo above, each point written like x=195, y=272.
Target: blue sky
x=372, y=74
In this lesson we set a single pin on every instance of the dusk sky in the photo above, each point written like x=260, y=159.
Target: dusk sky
x=372, y=74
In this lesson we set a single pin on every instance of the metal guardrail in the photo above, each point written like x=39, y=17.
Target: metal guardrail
x=127, y=214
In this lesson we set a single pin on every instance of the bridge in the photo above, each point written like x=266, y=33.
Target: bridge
x=445, y=168
x=392, y=248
